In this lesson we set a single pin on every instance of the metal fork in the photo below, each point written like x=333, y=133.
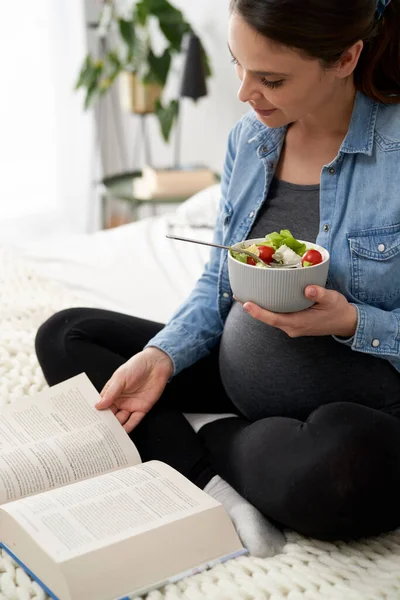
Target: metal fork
x=257, y=258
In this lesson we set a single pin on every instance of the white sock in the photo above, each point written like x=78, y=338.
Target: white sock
x=256, y=533
x=197, y=420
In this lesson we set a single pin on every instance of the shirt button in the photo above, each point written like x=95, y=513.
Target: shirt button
x=226, y=295
x=332, y=171
x=251, y=215
x=326, y=228
x=376, y=343
x=381, y=247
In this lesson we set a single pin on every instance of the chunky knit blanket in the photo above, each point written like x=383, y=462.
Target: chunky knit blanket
x=307, y=569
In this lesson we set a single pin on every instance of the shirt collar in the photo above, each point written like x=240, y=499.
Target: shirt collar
x=360, y=136
x=261, y=134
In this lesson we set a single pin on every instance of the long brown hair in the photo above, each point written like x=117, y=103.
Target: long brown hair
x=324, y=29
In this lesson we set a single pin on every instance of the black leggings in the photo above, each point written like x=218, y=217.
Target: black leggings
x=335, y=475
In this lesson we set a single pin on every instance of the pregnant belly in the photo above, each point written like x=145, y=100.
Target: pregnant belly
x=265, y=373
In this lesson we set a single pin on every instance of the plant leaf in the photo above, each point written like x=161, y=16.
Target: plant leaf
x=127, y=31
x=114, y=58
x=92, y=84
x=114, y=67
x=91, y=94
x=174, y=33
x=141, y=13
x=96, y=77
x=171, y=21
x=158, y=67
x=155, y=6
x=167, y=116
x=85, y=74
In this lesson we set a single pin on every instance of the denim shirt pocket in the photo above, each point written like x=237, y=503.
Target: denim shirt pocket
x=375, y=265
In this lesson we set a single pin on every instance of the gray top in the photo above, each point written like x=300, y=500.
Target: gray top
x=289, y=206
x=251, y=353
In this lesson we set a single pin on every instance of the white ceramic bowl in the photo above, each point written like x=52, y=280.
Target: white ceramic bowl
x=279, y=290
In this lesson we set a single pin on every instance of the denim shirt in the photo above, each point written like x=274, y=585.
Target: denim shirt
x=359, y=226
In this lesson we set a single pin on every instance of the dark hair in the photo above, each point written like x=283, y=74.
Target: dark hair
x=324, y=29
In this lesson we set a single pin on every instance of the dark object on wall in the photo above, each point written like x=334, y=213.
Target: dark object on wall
x=193, y=84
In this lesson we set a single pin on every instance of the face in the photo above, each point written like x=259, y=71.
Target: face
x=279, y=84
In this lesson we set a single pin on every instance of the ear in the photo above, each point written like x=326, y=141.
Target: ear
x=349, y=59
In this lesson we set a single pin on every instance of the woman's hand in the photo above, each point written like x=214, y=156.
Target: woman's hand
x=331, y=315
x=136, y=386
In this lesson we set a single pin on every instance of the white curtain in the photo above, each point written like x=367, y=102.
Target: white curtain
x=46, y=140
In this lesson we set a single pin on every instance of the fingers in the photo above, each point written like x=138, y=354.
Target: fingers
x=293, y=324
x=266, y=316
x=122, y=416
x=129, y=420
x=126, y=418
x=105, y=388
x=317, y=293
x=133, y=421
x=325, y=317
x=111, y=391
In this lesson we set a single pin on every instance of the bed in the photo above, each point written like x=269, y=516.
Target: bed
x=135, y=269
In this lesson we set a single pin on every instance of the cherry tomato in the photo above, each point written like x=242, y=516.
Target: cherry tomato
x=266, y=253
x=251, y=261
x=313, y=257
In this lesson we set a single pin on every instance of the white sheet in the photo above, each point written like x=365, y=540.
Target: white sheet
x=361, y=570
x=134, y=269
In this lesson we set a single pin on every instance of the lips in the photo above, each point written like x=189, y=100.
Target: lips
x=264, y=113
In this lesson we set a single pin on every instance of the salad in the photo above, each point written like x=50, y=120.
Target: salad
x=279, y=248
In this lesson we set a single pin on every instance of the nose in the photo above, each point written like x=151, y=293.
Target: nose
x=248, y=90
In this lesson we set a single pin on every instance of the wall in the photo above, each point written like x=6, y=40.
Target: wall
x=46, y=139
x=205, y=125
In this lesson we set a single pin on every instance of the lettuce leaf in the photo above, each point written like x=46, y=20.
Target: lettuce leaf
x=277, y=240
x=239, y=256
x=274, y=239
x=295, y=245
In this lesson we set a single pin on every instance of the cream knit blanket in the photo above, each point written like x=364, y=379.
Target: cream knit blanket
x=307, y=569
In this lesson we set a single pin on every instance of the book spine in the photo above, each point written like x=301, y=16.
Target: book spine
x=29, y=572
x=188, y=573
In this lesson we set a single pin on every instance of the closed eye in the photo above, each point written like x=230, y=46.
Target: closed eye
x=264, y=81
x=272, y=84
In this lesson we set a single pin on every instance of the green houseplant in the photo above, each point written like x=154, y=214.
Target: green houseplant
x=132, y=56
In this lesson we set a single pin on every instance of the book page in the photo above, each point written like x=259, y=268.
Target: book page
x=92, y=514
x=58, y=437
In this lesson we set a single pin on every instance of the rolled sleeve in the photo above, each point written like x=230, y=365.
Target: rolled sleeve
x=377, y=333
x=180, y=345
x=196, y=327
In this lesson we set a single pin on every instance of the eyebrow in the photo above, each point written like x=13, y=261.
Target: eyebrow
x=261, y=73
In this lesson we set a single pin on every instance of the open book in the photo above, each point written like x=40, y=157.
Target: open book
x=81, y=513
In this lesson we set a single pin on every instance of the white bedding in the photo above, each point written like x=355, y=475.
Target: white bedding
x=134, y=269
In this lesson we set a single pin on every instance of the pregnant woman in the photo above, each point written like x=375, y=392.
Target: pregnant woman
x=314, y=440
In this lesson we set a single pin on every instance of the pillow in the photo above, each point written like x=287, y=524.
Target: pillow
x=199, y=211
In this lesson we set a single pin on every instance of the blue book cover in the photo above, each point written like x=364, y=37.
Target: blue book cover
x=147, y=589
x=29, y=572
